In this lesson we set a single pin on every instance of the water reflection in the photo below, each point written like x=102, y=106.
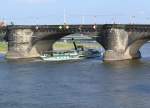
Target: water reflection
x=125, y=64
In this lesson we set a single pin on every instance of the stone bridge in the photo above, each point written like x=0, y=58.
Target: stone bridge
x=120, y=41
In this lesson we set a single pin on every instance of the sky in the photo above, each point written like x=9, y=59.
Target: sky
x=76, y=11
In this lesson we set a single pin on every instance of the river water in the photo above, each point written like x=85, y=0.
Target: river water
x=80, y=84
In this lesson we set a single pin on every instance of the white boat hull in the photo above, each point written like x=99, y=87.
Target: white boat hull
x=60, y=58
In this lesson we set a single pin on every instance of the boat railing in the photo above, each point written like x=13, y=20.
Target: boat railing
x=59, y=53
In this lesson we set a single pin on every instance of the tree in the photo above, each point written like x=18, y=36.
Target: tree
x=2, y=24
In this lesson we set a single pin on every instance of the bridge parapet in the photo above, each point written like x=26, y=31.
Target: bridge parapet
x=79, y=28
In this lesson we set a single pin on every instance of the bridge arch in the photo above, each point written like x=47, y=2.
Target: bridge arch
x=47, y=41
x=41, y=42
x=134, y=48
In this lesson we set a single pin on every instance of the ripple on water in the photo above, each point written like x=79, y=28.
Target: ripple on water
x=75, y=84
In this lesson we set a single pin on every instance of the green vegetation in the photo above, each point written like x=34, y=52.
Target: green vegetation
x=3, y=44
x=56, y=46
x=3, y=47
x=69, y=46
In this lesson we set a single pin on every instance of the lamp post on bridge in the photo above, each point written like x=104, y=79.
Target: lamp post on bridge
x=148, y=19
x=114, y=20
x=65, y=18
x=94, y=18
x=65, y=21
x=132, y=19
x=83, y=19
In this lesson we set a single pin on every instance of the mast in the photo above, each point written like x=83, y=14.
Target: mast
x=65, y=17
x=75, y=46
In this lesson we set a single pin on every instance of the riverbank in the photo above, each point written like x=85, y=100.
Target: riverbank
x=3, y=47
x=69, y=46
x=56, y=46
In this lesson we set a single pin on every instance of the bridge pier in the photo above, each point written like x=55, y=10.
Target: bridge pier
x=18, y=43
x=21, y=45
x=118, y=45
